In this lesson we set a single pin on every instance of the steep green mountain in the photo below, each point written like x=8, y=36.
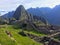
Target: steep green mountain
x=20, y=12
x=52, y=15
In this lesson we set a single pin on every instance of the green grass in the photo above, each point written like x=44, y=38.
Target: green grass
x=20, y=40
x=35, y=33
x=58, y=38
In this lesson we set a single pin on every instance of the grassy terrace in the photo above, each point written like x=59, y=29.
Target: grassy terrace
x=18, y=39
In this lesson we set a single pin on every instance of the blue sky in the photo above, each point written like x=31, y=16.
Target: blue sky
x=9, y=5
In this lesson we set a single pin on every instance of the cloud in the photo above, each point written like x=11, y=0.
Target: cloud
x=10, y=5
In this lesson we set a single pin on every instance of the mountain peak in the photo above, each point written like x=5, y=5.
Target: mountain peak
x=19, y=11
x=21, y=6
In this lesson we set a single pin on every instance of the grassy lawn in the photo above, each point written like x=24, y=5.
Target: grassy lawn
x=18, y=39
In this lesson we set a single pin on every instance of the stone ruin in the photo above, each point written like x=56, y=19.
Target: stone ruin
x=24, y=15
x=45, y=40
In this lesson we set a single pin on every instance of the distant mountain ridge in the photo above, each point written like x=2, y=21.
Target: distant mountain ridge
x=8, y=15
x=52, y=15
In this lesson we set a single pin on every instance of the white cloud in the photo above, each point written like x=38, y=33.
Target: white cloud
x=9, y=5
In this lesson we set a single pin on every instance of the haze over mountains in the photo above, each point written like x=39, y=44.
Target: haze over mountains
x=52, y=15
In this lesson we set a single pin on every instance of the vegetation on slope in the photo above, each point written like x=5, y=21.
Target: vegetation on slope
x=16, y=39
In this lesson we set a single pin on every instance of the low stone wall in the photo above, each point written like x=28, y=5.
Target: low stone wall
x=54, y=42
x=49, y=40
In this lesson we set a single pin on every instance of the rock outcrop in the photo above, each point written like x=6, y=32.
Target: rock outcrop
x=20, y=13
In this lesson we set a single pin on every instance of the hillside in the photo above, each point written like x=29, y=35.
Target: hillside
x=8, y=15
x=16, y=39
x=51, y=14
